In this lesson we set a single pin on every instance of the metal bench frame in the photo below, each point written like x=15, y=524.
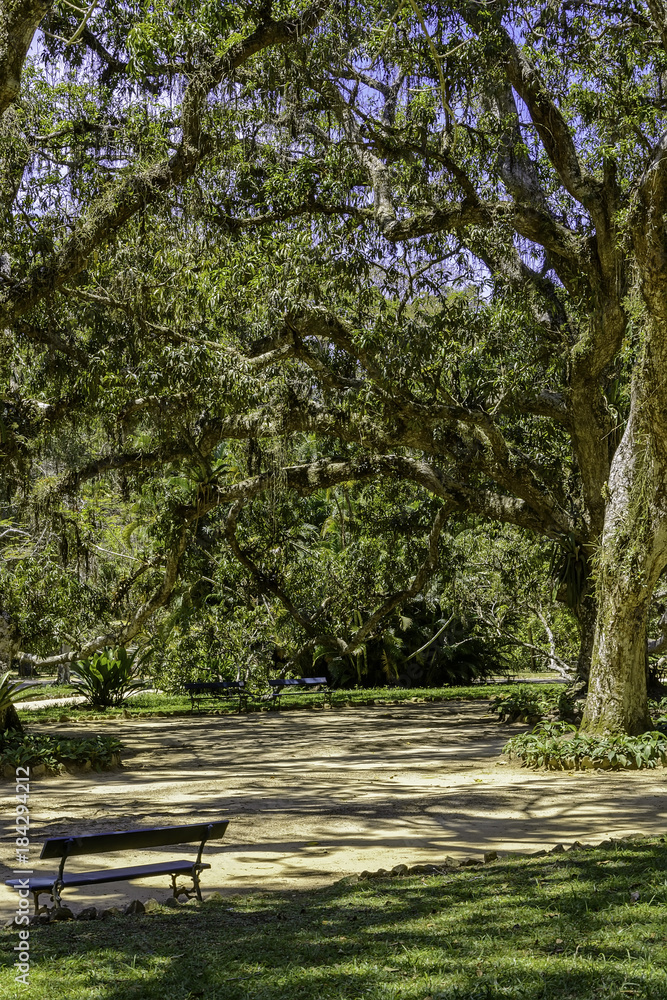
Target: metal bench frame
x=101, y=843
x=299, y=685
x=225, y=690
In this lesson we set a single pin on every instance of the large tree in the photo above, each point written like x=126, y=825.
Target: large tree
x=431, y=238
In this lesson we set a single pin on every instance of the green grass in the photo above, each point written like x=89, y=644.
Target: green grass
x=45, y=691
x=174, y=704
x=562, y=927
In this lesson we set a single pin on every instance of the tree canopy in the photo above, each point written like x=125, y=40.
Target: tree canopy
x=261, y=250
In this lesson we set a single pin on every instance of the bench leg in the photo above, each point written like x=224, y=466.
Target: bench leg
x=182, y=891
x=55, y=893
x=35, y=895
x=195, y=883
x=175, y=890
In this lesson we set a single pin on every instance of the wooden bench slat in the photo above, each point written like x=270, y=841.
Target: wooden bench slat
x=233, y=686
x=44, y=882
x=298, y=682
x=124, y=840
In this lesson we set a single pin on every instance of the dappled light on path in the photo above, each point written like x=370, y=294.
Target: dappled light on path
x=314, y=795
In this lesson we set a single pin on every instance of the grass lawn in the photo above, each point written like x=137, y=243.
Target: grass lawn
x=585, y=924
x=176, y=704
x=42, y=691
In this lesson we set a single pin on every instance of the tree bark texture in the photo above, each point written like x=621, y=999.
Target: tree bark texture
x=632, y=554
x=9, y=719
x=18, y=23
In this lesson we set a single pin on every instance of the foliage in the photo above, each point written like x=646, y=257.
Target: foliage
x=529, y=704
x=160, y=704
x=239, y=270
x=570, y=569
x=108, y=677
x=9, y=690
x=558, y=746
x=64, y=572
x=519, y=928
x=55, y=752
x=421, y=646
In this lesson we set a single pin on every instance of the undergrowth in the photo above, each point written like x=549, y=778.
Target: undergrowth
x=559, y=747
x=57, y=752
x=531, y=703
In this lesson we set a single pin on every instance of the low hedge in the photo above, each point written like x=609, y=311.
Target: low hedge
x=559, y=747
x=57, y=753
x=531, y=703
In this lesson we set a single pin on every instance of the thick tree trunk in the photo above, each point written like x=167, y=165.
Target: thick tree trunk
x=586, y=618
x=9, y=719
x=633, y=551
x=19, y=20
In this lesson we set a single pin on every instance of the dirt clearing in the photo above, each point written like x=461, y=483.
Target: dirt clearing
x=315, y=795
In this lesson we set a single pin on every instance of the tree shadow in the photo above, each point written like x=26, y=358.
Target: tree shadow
x=559, y=927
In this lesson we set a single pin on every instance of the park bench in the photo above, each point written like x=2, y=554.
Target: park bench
x=231, y=691
x=299, y=685
x=103, y=843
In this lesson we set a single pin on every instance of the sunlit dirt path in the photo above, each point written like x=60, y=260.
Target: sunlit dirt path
x=315, y=795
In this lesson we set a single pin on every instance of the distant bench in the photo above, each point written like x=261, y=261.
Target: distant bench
x=236, y=691
x=299, y=685
x=104, y=843
x=231, y=691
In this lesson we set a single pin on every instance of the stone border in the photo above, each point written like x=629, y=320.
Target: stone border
x=136, y=907
x=448, y=863
x=66, y=767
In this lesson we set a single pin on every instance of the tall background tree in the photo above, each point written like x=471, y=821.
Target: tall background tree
x=419, y=244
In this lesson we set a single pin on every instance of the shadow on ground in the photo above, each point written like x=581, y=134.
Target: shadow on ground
x=315, y=795
x=588, y=925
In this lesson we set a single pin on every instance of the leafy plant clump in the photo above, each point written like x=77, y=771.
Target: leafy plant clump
x=55, y=753
x=108, y=677
x=559, y=747
x=530, y=704
x=9, y=691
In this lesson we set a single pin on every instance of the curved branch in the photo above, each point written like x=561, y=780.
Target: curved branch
x=424, y=573
x=264, y=582
x=127, y=632
x=554, y=132
x=122, y=201
x=18, y=23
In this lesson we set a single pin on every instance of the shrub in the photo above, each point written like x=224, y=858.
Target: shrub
x=420, y=646
x=108, y=677
x=55, y=752
x=529, y=704
x=8, y=691
x=558, y=746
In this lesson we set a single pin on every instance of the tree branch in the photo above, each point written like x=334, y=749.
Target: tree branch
x=123, y=200
x=127, y=632
x=19, y=21
x=424, y=573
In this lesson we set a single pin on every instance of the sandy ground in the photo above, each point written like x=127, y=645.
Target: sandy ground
x=315, y=795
